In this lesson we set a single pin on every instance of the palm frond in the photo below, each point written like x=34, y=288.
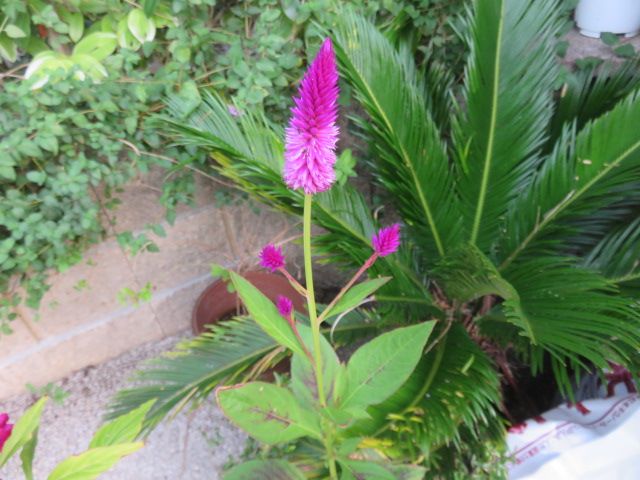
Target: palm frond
x=249, y=152
x=577, y=316
x=510, y=75
x=617, y=255
x=454, y=384
x=410, y=156
x=193, y=369
x=591, y=92
x=189, y=373
x=585, y=173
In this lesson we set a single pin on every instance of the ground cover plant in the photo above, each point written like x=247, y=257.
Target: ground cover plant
x=518, y=206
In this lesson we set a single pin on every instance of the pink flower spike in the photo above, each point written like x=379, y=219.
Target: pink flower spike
x=312, y=134
x=271, y=257
x=285, y=306
x=5, y=429
x=387, y=240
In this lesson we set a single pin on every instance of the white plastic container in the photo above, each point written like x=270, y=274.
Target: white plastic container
x=594, y=17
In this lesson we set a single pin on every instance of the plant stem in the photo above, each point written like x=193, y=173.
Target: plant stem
x=311, y=299
x=333, y=472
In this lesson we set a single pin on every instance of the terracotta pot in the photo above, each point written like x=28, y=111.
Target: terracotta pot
x=216, y=303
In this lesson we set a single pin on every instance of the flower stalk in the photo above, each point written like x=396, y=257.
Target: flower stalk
x=311, y=300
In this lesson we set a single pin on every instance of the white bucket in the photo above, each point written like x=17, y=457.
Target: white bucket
x=594, y=17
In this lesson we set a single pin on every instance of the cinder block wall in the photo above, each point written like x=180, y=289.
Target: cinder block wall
x=81, y=322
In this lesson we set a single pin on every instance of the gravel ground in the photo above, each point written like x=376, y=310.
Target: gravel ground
x=192, y=446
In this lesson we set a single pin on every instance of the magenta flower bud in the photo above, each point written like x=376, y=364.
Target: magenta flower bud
x=312, y=134
x=387, y=240
x=5, y=429
x=271, y=257
x=285, y=306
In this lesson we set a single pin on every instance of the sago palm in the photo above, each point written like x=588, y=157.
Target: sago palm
x=519, y=201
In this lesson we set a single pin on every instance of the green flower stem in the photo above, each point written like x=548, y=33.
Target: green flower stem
x=311, y=299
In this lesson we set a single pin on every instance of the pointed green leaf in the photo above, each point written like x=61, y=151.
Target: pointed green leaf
x=355, y=295
x=123, y=429
x=378, y=368
x=264, y=470
x=265, y=313
x=125, y=37
x=23, y=430
x=364, y=470
x=267, y=412
x=90, y=464
x=8, y=49
x=98, y=45
x=13, y=31
x=75, y=21
x=26, y=455
x=141, y=26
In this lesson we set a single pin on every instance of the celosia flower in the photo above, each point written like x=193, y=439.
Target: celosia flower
x=312, y=133
x=271, y=257
x=387, y=240
x=5, y=429
x=285, y=306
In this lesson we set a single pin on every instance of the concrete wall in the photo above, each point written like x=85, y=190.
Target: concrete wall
x=81, y=322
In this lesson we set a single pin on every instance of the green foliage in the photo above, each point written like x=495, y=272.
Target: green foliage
x=111, y=442
x=59, y=146
x=519, y=203
x=276, y=414
x=267, y=412
x=263, y=469
x=378, y=368
x=24, y=431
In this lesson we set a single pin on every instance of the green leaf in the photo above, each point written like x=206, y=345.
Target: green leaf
x=26, y=455
x=264, y=470
x=7, y=172
x=125, y=37
x=8, y=49
x=75, y=21
x=36, y=176
x=23, y=430
x=267, y=412
x=93, y=462
x=355, y=295
x=360, y=469
x=511, y=74
x=454, y=384
x=149, y=7
x=90, y=66
x=265, y=314
x=303, y=377
x=378, y=368
x=123, y=429
x=609, y=38
x=140, y=26
x=13, y=31
x=626, y=51
x=98, y=45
